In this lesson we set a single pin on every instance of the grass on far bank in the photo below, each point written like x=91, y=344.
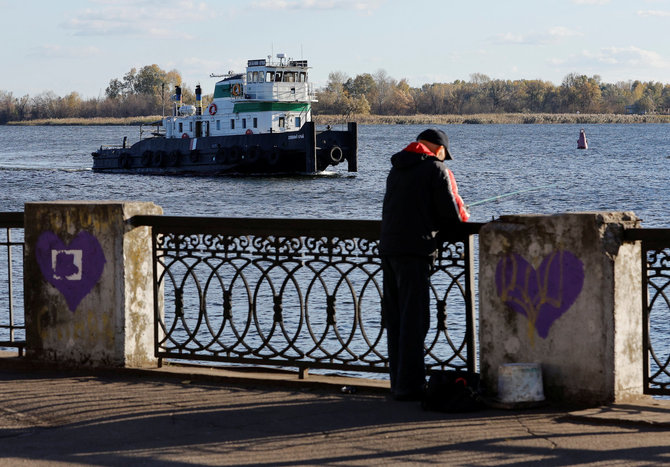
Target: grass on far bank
x=503, y=118
x=89, y=121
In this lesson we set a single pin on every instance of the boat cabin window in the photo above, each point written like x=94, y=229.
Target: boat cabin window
x=278, y=76
x=244, y=123
x=281, y=122
x=255, y=77
x=190, y=126
x=271, y=76
x=181, y=127
x=297, y=122
x=232, y=123
x=218, y=124
x=289, y=77
x=255, y=122
x=303, y=77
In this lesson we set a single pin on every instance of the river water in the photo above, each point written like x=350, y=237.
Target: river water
x=626, y=168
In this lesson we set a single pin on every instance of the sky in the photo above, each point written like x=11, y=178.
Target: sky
x=80, y=45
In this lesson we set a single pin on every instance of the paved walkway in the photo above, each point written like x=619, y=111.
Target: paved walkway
x=183, y=416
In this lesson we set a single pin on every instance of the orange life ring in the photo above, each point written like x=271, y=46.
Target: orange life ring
x=184, y=135
x=249, y=132
x=212, y=108
x=236, y=90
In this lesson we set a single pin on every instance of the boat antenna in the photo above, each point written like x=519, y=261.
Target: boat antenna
x=511, y=193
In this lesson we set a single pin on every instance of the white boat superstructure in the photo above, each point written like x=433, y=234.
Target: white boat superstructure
x=273, y=96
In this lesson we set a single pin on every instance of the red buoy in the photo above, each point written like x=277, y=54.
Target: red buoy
x=582, y=142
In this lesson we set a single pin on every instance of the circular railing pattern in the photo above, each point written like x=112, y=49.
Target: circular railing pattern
x=301, y=301
x=658, y=302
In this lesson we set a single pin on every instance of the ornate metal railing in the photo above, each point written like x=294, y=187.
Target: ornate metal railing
x=295, y=293
x=655, y=307
x=12, y=325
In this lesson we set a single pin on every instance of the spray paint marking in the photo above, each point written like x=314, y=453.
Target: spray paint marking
x=541, y=295
x=72, y=269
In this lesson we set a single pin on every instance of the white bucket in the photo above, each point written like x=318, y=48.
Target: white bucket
x=520, y=382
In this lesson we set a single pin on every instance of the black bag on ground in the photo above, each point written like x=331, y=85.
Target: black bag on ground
x=452, y=391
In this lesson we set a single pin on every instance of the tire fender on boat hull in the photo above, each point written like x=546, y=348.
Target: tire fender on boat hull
x=124, y=160
x=273, y=156
x=159, y=159
x=147, y=157
x=254, y=154
x=336, y=155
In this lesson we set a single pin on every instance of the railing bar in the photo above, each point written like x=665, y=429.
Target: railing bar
x=645, y=321
x=275, y=363
x=647, y=235
x=11, y=220
x=157, y=315
x=9, y=286
x=272, y=227
x=470, y=305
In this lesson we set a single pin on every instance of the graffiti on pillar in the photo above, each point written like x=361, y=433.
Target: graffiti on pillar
x=544, y=294
x=73, y=269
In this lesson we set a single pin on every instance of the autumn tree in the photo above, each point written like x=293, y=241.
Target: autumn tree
x=339, y=97
x=580, y=93
x=399, y=99
x=383, y=86
x=433, y=98
x=151, y=83
x=361, y=85
x=332, y=99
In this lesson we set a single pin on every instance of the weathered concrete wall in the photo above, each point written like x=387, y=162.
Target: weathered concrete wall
x=88, y=284
x=563, y=291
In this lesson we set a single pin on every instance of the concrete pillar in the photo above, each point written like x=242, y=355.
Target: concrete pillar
x=88, y=284
x=563, y=291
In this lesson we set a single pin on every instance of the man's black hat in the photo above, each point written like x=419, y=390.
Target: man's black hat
x=435, y=136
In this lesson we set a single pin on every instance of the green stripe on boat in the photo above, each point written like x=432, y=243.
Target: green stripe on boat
x=270, y=106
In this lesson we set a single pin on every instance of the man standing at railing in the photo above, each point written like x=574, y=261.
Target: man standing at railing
x=421, y=199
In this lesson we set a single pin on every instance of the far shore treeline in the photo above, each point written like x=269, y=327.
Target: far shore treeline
x=142, y=95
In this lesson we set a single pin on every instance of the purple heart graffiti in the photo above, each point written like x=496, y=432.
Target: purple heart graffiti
x=72, y=269
x=541, y=295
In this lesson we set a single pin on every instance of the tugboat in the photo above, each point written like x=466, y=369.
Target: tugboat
x=259, y=122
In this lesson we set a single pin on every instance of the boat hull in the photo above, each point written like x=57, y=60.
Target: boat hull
x=305, y=151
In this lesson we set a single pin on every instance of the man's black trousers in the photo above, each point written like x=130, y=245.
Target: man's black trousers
x=406, y=314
